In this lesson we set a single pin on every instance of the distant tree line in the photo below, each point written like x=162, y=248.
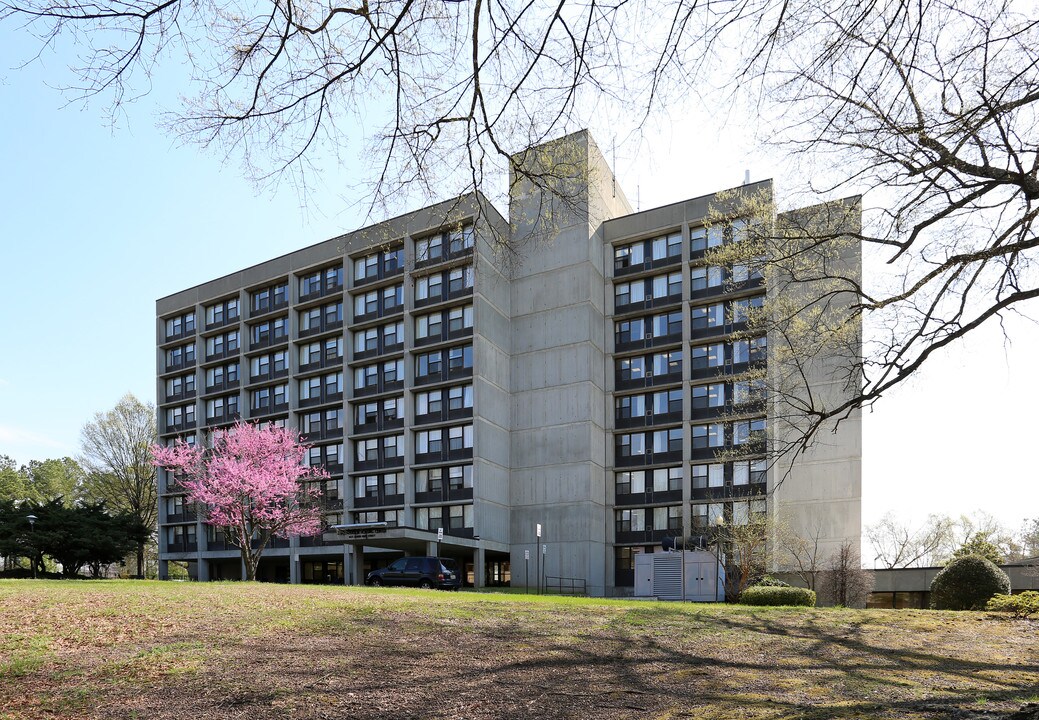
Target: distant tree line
x=75, y=537
x=92, y=511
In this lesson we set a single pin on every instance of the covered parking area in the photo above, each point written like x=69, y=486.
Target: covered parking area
x=368, y=546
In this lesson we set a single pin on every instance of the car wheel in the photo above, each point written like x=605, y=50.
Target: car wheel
x=375, y=582
x=426, y=584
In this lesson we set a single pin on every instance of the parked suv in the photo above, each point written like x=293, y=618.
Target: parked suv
x=423, y=572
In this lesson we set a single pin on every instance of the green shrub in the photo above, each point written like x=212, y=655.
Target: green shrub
x=1021, y=605
x=766, y=595
x=967, y=583
x=769, y=581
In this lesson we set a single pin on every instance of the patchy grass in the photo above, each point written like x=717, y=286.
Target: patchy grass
x=234, y=650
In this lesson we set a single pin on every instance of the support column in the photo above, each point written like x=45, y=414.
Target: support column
x=164, y=569
x=356, y=566
x=294, y=567
x=203, y=570
x=479, y=567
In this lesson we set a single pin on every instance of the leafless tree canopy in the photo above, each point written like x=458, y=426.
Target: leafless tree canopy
x=927, y=110
x=116, y=455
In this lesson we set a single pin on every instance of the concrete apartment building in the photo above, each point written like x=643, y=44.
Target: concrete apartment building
x=584, y=382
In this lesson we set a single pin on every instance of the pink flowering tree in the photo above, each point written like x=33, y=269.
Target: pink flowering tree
x=249, y=483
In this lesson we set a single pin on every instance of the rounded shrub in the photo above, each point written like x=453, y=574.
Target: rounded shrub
x=1020, y=605
x=769, y=581
x=968, y=583
x=771, y=595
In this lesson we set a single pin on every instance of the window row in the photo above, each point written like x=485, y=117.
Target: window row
x=449, y=517
x=329, y=456
x=321, y=281
x=716, y=475
x=381, y=338
x=321, y=422
x=432, y=325
x=454, y=439
x=647, y=328
x=738, y=512
x=740, y=392
x=432, y=480
x=268, y=398
x=643, y=251
x=379, y=412
x=222, y=312
x=667, y=402
x=378, y=375
x=180, y=415
x=704, y=238
x=321, y=387
x=222, y=344
x=180, y=385
x=638, y=444
x=324, y=317
x=634, y=482
x=378, y=486
x=647, y=366
x=180, y=356
x=221, y=376
x=222, y=408
x=324, y=352
x=432, y=287
x=432, y=402
x=730, y=312
x=371, y=449
x=641, y=290
x=430, y=367
x=180, y=325
x=716, y=355
x=379, y=302
x=717, y=435
x=269, y=298
x=269, y=364
x=668, y=517
x=450, y=243
x=379, y=264
x=269, y=331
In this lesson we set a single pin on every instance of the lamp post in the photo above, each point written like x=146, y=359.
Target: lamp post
x=32, y=528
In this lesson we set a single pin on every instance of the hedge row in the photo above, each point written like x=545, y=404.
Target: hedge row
x=766, y=595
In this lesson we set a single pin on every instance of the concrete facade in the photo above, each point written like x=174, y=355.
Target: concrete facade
x=540, y=353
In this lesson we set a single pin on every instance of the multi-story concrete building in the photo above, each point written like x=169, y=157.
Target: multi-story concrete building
x=588, y=382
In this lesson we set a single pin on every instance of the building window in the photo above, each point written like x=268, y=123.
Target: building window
x=708, y=436
x=701, y=239
x=748, y=431
x=429, y=287
x=460, y=279
x=460, y=240
x=459, y=319
x=459, y=358
x=706, y=277
x=431, y=248
x=222, y=312
x=180, y=325
x=429, y=326
x=708, y=316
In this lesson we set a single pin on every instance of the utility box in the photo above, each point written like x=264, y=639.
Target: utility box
x=659, y=575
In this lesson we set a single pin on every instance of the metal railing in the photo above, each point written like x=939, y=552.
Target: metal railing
x=565, y=585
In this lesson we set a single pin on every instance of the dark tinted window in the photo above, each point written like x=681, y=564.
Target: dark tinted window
x=449, y=565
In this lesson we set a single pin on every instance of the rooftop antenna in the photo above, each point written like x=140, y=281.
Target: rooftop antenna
x=638, y=198
x=746, y=176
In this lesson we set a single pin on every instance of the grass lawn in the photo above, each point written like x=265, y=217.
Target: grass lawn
x=122, y=649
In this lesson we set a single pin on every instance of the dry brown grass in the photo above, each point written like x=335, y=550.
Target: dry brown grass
x=233, y=650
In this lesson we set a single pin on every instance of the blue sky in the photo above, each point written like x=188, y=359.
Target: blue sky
x=96, y=223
